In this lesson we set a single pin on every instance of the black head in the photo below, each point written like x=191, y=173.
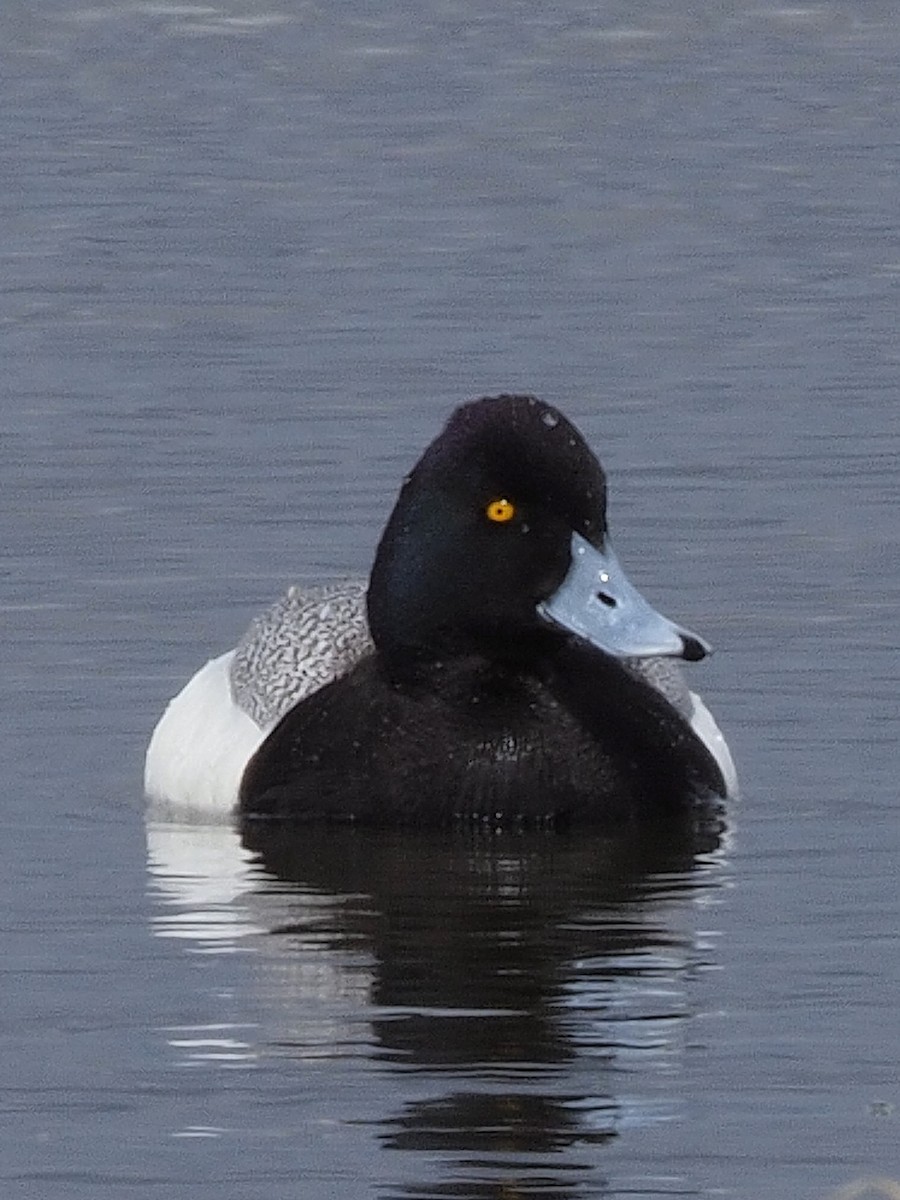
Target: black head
x=481, y=531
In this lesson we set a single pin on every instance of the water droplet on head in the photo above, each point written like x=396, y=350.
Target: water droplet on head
x=550, y=419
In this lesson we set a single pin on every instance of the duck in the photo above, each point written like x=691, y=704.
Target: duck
x=497, y=668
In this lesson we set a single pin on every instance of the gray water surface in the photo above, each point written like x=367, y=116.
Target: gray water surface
x=252, y=254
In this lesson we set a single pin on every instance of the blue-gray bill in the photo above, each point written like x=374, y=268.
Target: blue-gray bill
x=597, y=602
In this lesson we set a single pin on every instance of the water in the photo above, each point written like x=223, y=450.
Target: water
x=252, y=254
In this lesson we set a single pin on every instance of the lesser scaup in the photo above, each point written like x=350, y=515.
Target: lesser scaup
x=499, y=667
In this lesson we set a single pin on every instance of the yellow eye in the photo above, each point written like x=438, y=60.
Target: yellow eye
x=501, y=510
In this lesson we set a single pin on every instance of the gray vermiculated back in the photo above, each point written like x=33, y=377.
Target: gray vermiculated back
x=304, y=640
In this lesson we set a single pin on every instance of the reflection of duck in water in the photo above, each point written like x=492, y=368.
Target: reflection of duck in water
x=515, y=673
x=528, y=993
x=498, y=1007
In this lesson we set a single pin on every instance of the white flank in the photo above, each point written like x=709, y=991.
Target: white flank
x=706, y=729
x=200, y=747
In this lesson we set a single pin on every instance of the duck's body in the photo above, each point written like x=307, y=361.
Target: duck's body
x=211, y=730
x=490, y=673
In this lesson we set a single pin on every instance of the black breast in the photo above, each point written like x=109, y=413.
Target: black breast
x=574, y=739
